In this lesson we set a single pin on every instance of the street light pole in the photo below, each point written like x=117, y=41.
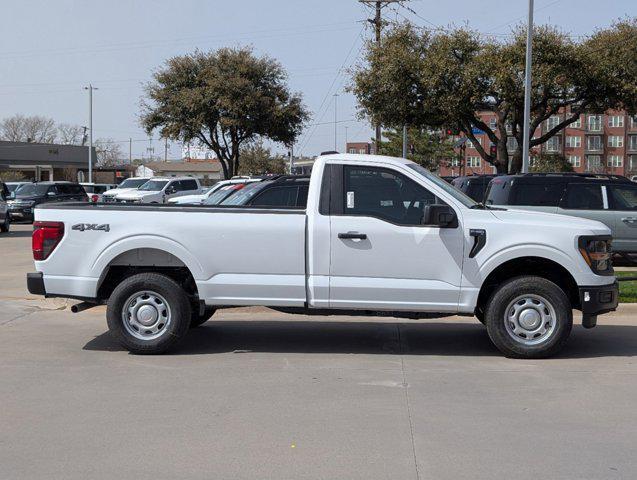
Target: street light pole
x=90, y=89
x=527, y=90
x=404, y=141
x=335, y=122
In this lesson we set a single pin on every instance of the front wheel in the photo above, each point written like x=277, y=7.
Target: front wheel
x=6, y=226
x=148, y=313
x=529, y=317
x=197, y=319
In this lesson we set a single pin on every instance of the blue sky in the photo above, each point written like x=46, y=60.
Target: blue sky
x=50, y=50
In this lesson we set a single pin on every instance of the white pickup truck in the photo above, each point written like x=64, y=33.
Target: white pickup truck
x=379, y=236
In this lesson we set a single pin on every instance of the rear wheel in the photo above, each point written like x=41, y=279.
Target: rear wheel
x=197, y=319
x=148, y=313
x=529, y=317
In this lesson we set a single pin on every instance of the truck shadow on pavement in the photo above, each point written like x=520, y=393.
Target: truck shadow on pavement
x=18, y=234
x=444, y=339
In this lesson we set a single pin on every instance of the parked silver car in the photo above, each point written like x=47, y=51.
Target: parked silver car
x=611, y=199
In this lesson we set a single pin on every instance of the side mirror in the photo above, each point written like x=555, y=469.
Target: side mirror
x=171, y=190
x=11, y=195
x=50, y=194
x=442, y=216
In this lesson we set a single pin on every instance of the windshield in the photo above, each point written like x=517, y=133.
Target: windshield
x=153, y=185
x=31, y=190
x=13, y=186
x=132, y=183
x=243, y=196
x=450, y=189
x=222, y=193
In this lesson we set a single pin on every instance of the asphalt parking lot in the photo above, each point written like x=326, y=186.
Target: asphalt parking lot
x=258, y=394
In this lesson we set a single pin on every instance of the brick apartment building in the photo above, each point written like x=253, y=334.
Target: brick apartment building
x=597, y=143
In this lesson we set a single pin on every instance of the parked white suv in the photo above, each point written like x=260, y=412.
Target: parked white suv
x=201, y=198
x=160, y=190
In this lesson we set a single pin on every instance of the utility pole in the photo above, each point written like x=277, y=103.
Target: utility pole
x=335, y=122
x=90, y=89
x=377, y=21
x=166, y=149
x=527, y=90
x=292, y=158
x=130, y=151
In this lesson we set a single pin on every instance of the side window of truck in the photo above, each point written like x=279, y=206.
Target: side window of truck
x=188, y=185
x=385, y=194
x=581, y=196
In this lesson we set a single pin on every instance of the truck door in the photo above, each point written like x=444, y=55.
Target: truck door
x=381, y=256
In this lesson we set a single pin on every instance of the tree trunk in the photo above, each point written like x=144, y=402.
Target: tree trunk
x=502, y=163
x=516, y=161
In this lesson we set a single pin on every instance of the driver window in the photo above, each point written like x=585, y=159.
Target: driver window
x=385, y=194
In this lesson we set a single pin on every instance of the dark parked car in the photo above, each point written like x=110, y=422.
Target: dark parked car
x=5, y=221
x=284, y=191
x=475, y=186
x=610, y=199
x=28, y=196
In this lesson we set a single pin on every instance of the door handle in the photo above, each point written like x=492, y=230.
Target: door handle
x=352, y=236
x=629, y=220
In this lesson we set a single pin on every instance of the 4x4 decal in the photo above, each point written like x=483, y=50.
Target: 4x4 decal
x=82, y=227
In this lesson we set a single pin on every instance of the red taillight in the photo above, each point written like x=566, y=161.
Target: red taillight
x=94, y=198
x=46, y=236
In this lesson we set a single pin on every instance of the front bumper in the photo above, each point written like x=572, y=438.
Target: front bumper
x=20, y=212
x=35, y=283
x=596, y=300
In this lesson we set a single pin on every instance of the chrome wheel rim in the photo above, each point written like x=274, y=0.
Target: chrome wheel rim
x=530, y=319
x=146, y=315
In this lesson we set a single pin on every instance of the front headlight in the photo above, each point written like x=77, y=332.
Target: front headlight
x=596, y=251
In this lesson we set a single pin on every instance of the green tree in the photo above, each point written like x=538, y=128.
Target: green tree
x=423, y=147
x=551, y=162
x=258, y=160
x=223, y=99
x=443, y=79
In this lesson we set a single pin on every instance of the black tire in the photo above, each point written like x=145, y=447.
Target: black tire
x=535, y=289
x=6, y=226
x=479, y=314
x=178, y=311
x=197, y=319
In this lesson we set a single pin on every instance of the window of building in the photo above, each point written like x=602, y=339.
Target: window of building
x=615, y=141
x=352, y=150
x=512, y=144
x=632, y=162
x=615, y=120
x=580, y=196
x=509, y=127
x=455, y=162
x=471, y=144
x=473, y=162
x=553, y=144
x=493, y=123
x=615, y=161
x=577, y=123
x=594, y=123
x=362, y=150
x=573, y=142
x=633, y=121
x=381, y=193
x=575, y=160
x=552, y=122
x=593, y=163
x=594, y=143
x=632, y=142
